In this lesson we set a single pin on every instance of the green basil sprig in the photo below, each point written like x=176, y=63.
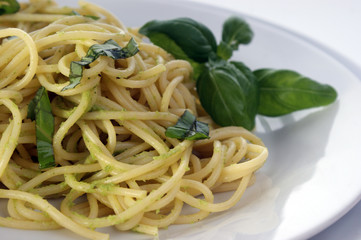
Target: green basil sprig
x=39, y=109
x=194, y=38
x=229, y=91
x=9, y=6
x=109, y=48
x=285, y=91
x=187, y=127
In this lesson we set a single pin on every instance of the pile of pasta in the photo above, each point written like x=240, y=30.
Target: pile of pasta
x=114, y=164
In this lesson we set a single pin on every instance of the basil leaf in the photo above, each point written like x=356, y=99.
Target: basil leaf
x=286, y=91
x=39, y=109
x=161, y=39
x=9, y=6
x=194, y=38
x=109, y=48
x=169, y=45
x=88, y=16
x=236, y=31
x=187, y=127
x=76, y=73
x=228, y=91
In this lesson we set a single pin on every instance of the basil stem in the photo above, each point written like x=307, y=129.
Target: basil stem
x=39, y=109
x=109, y=48
x=284, y=91
x=187, y=127
x=9, y=6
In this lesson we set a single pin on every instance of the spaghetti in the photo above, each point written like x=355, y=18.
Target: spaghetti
x=115, y=166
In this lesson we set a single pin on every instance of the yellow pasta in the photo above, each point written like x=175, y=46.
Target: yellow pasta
x=115, y=166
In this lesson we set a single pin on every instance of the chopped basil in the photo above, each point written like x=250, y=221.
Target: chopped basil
x=39, y=109
x=109, y=48
x=188, y=128
x=9, y=6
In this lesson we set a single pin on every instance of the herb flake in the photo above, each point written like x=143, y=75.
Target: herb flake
x=188, y=128
x=109, y=48
x=39, y=109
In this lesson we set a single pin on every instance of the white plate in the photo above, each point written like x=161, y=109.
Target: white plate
x=312, y=175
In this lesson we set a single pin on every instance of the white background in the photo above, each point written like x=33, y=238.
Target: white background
x=333, y=23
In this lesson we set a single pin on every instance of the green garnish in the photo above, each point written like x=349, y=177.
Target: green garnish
x=39, y=109
x=229, y=91
x=9, y=7
x=187, y=127
x=109, y=48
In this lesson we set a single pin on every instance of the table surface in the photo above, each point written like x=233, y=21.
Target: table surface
x=332, y=23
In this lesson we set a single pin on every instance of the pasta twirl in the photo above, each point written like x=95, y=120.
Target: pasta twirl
x=115, y=166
